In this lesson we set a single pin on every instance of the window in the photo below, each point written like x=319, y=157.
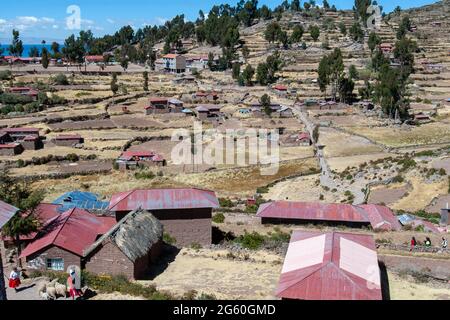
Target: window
x=55, y=264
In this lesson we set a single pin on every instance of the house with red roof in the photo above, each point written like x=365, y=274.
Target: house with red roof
x=68, y=140
x=133, y=159
x=94, y=59
x=290, y=212
x=61, y=242
x=28, y=138
x=157, y=105
x=330, y=266
x=186, y=214
x=206, y=96
x=10, y=149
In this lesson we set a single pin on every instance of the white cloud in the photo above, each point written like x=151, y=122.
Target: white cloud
x=49, y=20
x=110, y=21
x=2, y=21
x=55, y=26
x=28, y=20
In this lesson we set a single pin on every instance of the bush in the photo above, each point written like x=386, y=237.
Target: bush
x=167, y=238
x=5, y=75
x=398, y=179
x=218, y=218
x=61, y=80
x=252, y=241
x=226, y=203
x=252, y=209
x=144, y=175
x=72, y=157
x=196, y=246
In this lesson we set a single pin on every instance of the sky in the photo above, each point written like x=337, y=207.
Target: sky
x=46, y=20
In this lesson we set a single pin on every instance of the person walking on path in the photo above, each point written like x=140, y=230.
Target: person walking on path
x=444, y=244
x=14, y=279
x=413, y=243
x=72, y=285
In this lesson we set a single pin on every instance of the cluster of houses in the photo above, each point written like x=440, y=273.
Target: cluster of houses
x=14, y=141
x=177, y=63
x=124, y=236
x=137, y=159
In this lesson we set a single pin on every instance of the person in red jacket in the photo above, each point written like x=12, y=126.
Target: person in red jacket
x=413, y=243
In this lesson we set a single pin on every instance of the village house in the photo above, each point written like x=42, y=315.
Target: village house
x=18, y=134
x=205, y=112
x=283, y=112
x=68, y=140
x=206, y=96
x=134, y=159
x=175, y=105
x=61, y=243
x=174, y=63
x=31, y=143
x=129, y=248
x=157, y=106
x=10, y=149
x=386, y=48
x=186, y=214
x=280, y=89
x=24, y=91
x=421, y=118
x=82, y=200
x=94, y=59
x=330, y=266
x=196, y=62
x=285, y=212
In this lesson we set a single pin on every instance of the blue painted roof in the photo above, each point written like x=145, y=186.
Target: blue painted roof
x=405, y=219
x=82, y=200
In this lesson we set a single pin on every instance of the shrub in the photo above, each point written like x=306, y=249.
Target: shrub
x=61, y=80
x=167, y=238
x=252, y=241
x=398, y=179
x=144, y=175
x=5, y=75
x=196, y=246
x=218, y=218
x=251, y=209
x=72, y=157
x=226, y=203
x=262, y=190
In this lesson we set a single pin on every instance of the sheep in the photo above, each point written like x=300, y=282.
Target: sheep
x=51, y=292
x=61, y=290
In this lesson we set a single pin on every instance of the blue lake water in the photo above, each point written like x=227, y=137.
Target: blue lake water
x=27, y=47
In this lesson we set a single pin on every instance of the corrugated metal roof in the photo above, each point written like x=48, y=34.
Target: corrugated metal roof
x=82, y=200
x=379, y=217
x=311, y=211
x=73, y=231
x=330, y=266
x=7, y=211
x=163, y=199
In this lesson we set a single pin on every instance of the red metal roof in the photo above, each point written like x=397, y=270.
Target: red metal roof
x=7, y=211
x=68, y=137
x=30, y=138
x=170, y=56
x=9, y=146
x=74, y=231
x=311, y=211
x=280, y=87
x=330, y=266
x=14, y=130
x=95, y=58
x=156, y=100
x=379, y=217
x=304, y=136
x=163, y=199
x=136, y=154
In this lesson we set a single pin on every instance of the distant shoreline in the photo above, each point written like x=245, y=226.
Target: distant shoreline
x=27, y=47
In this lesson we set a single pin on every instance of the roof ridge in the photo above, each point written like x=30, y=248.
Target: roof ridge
x=62, y=226
x=128, y=193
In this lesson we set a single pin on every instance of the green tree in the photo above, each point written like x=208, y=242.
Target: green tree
x=297, y=34
x=45, y=58
x=272, y=32
x=265, y=13
x=245, y=52
x=373, y=41
x=16, y=47
x=19, y=195
x=247, y=75
x=33, y=52
x=114, y=85
x=284, y=39
x=343, y=28
x=326, y=5
x=262, y=74
x=353, y=73
x=295, y=5
x=324, y=74
x=236, y=70
x=314, y=31
x=265, y=104
x=274, y=64
x=356, y=32
x=404, y=53
x=145, y=75
x=346, y=87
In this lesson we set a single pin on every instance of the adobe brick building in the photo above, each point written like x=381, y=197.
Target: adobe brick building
x=62, y=241
x=129, y=248
x=186, y=214
x=10, y=149
x=68, y=140
x=31, y=143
